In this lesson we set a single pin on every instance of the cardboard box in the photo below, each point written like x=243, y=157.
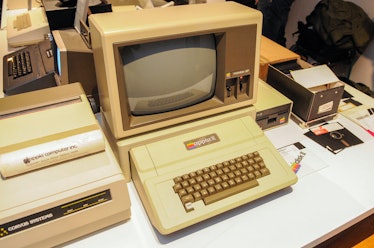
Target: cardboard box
x=310, y=105
x=273, y=53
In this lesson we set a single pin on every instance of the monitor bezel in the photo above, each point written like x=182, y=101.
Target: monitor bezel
x=218, y=101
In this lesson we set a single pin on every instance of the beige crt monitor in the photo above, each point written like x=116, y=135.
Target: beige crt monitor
x=71, y=186
x=208, y=66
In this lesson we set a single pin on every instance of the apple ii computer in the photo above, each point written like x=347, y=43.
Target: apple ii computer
x=177, y=87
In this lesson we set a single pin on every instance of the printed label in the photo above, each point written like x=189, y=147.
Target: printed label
x=49, y=153
x=54, y=213
x=326, y=128
x=237, y=73
x=202, y=141
x=325, y=107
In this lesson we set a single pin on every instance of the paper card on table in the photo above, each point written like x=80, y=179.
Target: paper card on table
x=301, y=160
x=364, y=117
x=314, y=76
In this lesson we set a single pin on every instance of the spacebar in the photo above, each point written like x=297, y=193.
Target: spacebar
x=230, y=191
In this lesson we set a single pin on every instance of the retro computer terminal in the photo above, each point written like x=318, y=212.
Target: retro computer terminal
x=177, y=87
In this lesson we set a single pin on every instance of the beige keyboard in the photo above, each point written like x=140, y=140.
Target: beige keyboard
x=180, y=187
x=220, y=180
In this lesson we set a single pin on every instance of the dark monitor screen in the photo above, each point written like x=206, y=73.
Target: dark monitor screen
x=167, y=75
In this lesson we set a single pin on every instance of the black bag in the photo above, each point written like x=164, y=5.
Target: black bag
x=335, y=30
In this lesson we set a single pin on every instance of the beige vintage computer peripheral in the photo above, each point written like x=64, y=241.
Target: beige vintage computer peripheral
x=272, y=107
x=74, y=60
x=27, y=28
x=29, y=68
x=177, y=87
x=59, y=177
x=206, y=172
x=22, y=4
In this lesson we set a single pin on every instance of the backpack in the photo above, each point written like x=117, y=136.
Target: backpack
x=335, y=30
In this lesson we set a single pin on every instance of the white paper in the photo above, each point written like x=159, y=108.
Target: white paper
x=314, y=76
x=364, y=117
x=301, y=160
x=45, y=154
x=80, y=14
